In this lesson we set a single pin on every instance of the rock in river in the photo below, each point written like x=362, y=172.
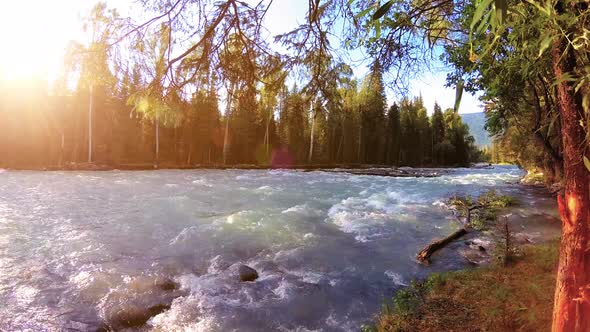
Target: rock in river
x=247, y=273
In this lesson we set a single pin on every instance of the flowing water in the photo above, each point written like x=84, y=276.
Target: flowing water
x=81, y=251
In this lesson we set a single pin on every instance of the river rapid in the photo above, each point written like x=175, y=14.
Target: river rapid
x=87, y=251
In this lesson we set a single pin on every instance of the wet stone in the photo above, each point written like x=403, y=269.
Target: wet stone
x=247, y=273
x=167, y=285
x=132, y=317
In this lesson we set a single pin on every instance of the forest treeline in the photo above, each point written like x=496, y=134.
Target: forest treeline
x=42, y=129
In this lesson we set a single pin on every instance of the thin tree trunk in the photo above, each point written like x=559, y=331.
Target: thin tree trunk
x=338, y=152
x=312, y=133
x=176, y=143
x=571, y=311
x=266, y=138
x=268, y=134
x=190, y=152
x=227, y=117
x=157, y=161
x=360, y=144
x=90, y=125
x=332, y=145
x=61, y=153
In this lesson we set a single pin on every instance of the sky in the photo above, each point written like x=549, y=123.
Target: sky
x=35, y=33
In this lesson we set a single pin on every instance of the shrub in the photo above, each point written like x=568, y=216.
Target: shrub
x=487, y=214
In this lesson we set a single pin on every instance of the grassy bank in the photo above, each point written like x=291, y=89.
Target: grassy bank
x=517, y=297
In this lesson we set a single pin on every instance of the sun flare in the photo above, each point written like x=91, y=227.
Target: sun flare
x=33, y=36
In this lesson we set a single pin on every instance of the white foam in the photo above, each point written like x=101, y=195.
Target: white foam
x=303, y=209
x=364, y=217
x=187, y=235
x=217, y=264
x=267, y=190
x=25, y=294
x=396, y=278
x=186, y=315
x=440, y=203
x=202, y=182
x=81, y=279
x=241, y=217
x=285, y=290
x=309, y=277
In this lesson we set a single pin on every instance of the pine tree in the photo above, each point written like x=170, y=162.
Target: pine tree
x=372, y=105
x=393, y=134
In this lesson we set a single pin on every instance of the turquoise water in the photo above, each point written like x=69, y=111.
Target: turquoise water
x=80, y=249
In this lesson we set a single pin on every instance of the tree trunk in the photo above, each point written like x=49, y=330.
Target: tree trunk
x=190, y=152
x=157, y=160
x=571, y=311
x=227, y=117
x=90, y=126
x=358, y=157
x=267, y=135
x=265, y=140
x=312, y=133
x=61, y=150
x=339, y=158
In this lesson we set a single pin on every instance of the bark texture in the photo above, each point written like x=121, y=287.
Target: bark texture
x=572, y=294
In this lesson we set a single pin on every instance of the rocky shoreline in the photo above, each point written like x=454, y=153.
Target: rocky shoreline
x=390, y=172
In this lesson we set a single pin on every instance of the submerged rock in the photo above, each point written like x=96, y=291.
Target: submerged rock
x=167, y=285
x=132, y=304
x=132, y=317
x=482, y=166
x=247, y=273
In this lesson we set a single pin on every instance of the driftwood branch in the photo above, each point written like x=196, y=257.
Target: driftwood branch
x=424, y=255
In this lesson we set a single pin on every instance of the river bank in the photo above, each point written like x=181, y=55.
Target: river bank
x=355, y=169
x=511, y=289
x=517, y=297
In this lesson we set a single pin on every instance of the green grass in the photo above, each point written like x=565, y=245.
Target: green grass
x=492, y=203
x=518, y=297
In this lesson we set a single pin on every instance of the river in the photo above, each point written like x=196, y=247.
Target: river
x=80, y=250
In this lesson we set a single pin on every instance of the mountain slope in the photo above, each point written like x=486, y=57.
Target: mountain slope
x=476, y=123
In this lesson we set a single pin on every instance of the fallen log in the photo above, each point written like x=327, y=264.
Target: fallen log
x=424, y=255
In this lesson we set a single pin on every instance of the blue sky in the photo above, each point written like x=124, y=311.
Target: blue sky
x=39, y=30
x=285, y=15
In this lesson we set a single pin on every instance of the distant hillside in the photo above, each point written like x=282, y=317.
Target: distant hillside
x=476, y=123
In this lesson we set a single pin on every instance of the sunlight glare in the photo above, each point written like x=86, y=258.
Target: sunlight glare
x=33, y=35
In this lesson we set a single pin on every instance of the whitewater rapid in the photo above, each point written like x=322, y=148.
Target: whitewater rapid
x=79, y=248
